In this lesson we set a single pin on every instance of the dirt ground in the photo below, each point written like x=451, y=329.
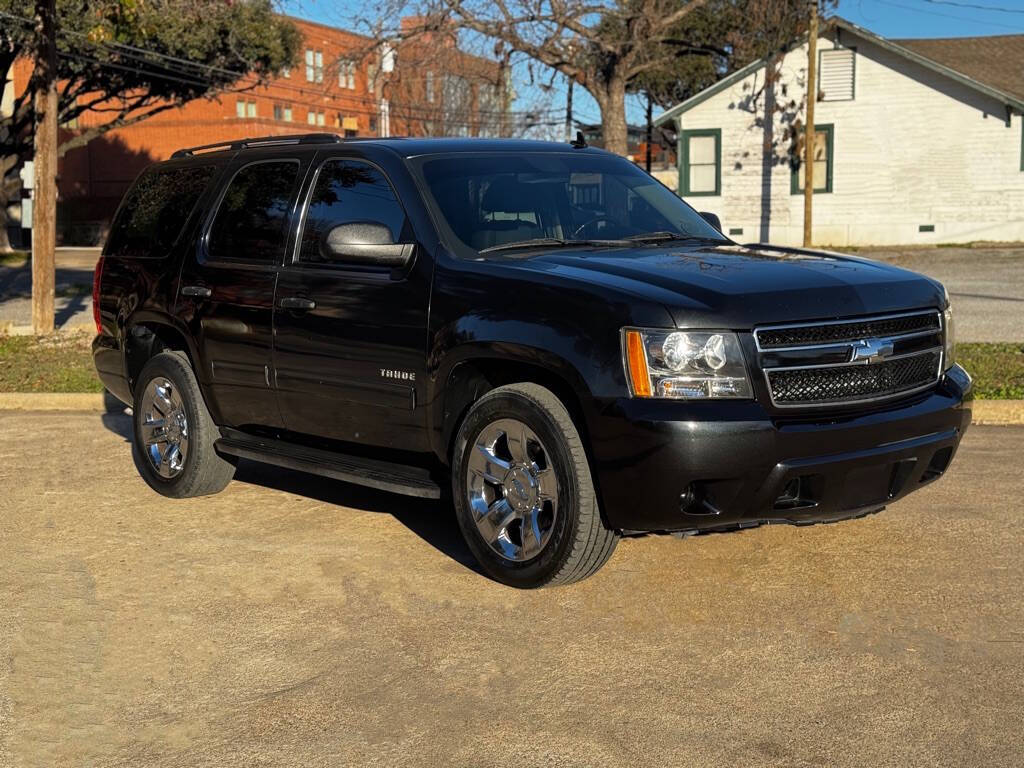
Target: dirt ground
x=296, y=621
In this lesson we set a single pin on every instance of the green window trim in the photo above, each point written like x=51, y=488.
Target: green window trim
x=684, y=161
x=794, y=175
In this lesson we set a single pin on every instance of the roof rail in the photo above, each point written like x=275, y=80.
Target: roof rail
x=262, y=141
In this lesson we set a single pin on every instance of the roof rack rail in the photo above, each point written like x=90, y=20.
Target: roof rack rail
x=262, y=141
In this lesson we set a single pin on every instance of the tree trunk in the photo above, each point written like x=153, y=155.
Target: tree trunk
x=612, y=102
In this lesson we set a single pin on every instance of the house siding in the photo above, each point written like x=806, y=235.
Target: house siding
x=913, y=148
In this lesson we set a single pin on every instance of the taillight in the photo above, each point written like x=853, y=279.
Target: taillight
x=97, y=275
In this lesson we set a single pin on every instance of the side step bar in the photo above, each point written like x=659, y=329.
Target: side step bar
x=384, y=475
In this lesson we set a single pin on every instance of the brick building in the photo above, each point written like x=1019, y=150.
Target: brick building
x=342, y=83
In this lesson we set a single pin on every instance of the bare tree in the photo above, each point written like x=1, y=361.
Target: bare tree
x=601, y=47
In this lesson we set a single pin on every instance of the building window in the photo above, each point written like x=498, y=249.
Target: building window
x=287, y=113
x=315, y=118
x=314, y=66
x=278, y=112
x=320, y=118
x=239, y=108
x=430, y=86
x=837, y=68
x=700, y=162
x=250, y=109
x=373, y=124
x=346, y=73
x=822, y=162
x=286, y=72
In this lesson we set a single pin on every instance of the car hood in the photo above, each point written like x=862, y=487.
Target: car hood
x=739, y=286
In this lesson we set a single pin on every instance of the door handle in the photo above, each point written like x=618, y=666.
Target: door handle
x=199, y=291
x=297, y=302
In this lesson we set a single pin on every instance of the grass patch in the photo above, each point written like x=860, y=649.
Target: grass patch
x=13, y=259
x=997, y=369
x=63, y=363
x=58, y=363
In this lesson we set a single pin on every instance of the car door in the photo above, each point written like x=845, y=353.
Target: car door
x=350, y=336
x=226, y=293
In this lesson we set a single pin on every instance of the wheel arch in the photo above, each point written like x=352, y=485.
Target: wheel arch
x=474, y=372
x=146, y=336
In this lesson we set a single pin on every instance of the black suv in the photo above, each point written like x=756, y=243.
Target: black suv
x=579, y=351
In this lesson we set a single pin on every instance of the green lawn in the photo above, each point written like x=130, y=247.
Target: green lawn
x=58, y=363
x=998, y=369
x=14, y=258
x=63, y=363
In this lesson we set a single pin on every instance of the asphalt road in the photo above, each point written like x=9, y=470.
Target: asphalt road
x=296, y=621
x=987, y=287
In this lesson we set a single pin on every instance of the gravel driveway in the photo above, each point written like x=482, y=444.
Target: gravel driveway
x=296, y=621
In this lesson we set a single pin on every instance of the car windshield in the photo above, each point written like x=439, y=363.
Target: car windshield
x=498, y=202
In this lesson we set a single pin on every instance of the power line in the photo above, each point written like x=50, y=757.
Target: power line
x=975, y=6
x=917, y=9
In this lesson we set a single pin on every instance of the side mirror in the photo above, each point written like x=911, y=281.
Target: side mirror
x=712, y=219
x=365, y=242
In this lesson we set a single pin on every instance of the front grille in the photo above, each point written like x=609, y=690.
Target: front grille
x=852, y=361
x=837, y=333
x=815, y=386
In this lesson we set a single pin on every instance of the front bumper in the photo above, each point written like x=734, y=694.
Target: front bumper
x=674, y=466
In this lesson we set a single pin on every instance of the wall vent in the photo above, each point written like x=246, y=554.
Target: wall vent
x=926, y=228
x=838, y=71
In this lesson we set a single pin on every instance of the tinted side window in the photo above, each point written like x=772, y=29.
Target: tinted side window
x=252, y=221
x=155, y=210
x=348, y=191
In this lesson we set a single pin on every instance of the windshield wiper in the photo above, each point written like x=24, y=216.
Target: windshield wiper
x=548, y=242
x=665, y=236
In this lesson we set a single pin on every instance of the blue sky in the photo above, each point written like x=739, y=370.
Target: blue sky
x=889, y=18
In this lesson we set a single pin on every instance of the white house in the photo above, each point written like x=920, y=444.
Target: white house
x=918, y=141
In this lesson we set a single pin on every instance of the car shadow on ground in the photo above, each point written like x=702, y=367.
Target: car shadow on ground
x=430, y=519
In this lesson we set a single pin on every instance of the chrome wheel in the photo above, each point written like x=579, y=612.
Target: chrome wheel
x=512, y=489
x=164, y=427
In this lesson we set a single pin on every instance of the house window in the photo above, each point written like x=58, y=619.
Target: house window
x=700, y=162
x=239, y=108
x=347, y=74
x=311, y=117
x=250, y=109
x=278, y=112
x=837, y=68
x=314, y=66
x=287, y=113
x=430, y=86
x=822, y=162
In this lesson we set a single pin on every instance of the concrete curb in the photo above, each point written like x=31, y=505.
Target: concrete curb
x=997, y=412
x=1001, y=412
x=52, y=401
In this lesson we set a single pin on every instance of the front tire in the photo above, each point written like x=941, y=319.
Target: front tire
x=524, y=497
x=173, y=435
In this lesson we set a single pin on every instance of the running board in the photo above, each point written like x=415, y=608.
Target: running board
x=384, y=475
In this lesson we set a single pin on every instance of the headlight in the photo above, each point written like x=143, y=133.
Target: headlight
x=691, y=365
x=950, y=338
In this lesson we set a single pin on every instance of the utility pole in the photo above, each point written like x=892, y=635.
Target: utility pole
x=809, y=133
x=650, y=127
x=44, y=204
x=569, y=136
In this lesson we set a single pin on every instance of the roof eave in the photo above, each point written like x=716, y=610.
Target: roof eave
x=1007, y=99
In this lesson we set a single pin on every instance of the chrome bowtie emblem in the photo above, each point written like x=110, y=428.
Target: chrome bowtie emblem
x=872, y=350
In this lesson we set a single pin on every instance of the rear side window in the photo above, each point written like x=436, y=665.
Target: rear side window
x=348, y=191
x=155, y=211
x=252, y=221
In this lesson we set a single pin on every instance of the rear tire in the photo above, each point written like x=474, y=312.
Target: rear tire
x=523, y=493
x=173, y=433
